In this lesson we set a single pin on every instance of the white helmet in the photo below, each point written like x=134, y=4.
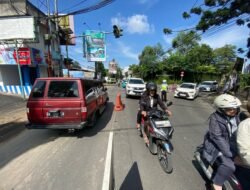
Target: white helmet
x=164, y=81
x=226, y=101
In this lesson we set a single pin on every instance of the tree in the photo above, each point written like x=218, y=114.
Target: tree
x=224, y=58
x=101, y=69
x=149, y=61
x=221, y=12
x=184, y=41
x=135, y=70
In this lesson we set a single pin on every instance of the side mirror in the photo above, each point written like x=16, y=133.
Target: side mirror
x=169, y=104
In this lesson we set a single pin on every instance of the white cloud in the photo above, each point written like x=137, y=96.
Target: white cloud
x=235, y=35
x=127, y=52
x=134, y=24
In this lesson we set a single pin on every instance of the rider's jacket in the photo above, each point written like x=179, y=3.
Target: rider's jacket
x=148, y=103
x=221, y=137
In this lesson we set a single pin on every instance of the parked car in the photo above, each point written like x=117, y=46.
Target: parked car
x=135, y=87
x=65, y=103
x=124, y=83
x=187, y=90
x=208, y=86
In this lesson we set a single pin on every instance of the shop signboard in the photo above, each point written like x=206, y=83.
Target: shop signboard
x=94, y=45
x=13, y=28
x=26, y=56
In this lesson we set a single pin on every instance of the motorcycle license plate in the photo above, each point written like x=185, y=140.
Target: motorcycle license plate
x=163, y=123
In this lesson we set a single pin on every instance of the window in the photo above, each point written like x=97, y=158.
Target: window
x=62, y=89
x=135, y=81
x=38, y=89
x=190, y=86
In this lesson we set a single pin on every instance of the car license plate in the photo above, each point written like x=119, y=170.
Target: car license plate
x=182, y=94
x=54, y=114
x=164, y=123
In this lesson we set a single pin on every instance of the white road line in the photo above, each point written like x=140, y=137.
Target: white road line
x=107, y=178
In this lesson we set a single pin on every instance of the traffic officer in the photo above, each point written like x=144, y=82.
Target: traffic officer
x=164, y=89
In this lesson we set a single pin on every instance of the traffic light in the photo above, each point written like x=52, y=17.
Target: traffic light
x=117, y=31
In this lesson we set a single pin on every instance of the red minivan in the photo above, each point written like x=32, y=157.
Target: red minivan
x=65, y=103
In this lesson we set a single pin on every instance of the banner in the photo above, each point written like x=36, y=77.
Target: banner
x=95, y=47
x=27, y=56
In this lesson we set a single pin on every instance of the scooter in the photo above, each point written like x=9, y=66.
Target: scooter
x=159, y=133
x=231, y=184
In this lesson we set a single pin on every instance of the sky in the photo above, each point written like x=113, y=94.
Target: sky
x=142, y=22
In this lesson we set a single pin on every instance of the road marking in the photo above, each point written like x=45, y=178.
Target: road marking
x=108, y=177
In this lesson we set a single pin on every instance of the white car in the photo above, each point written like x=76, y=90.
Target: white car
x=135, y=87
x=187, y=90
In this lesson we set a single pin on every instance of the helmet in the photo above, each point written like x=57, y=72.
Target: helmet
x=164, y=81
x=226, y=101
x=151, y=86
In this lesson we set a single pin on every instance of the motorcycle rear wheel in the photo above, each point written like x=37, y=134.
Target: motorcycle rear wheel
x=165, y=159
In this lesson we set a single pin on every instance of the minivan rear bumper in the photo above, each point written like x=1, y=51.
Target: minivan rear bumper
x=56, y=126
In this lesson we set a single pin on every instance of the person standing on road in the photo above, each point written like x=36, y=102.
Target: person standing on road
x=149, y=101
x=220, y=140
x=164, y=90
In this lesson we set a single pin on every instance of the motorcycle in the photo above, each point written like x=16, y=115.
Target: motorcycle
x=231, y=184
x=159, y=133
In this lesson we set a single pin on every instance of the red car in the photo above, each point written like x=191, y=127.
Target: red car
x=65, y=103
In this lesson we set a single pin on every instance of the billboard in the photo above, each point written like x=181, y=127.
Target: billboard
x=67, y=24
x=94, y=46
x=26, y=56
x=17, y=28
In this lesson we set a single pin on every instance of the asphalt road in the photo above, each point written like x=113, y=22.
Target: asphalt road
x=50, y=159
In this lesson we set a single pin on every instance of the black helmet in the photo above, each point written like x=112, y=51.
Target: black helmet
x=151, y=86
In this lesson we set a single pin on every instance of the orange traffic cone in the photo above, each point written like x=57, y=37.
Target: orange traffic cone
x=118, y=103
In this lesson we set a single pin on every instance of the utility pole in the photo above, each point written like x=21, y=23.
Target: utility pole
x=19, y=70
x=57, y=30
x=49, y=41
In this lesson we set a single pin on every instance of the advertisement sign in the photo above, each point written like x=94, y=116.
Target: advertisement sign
x=26, y=56
x=23, y=55
x=95, y=46
x=17, y=28
x=112, y=67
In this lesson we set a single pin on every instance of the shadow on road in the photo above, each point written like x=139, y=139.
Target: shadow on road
x=133, y=180
x=11, y=129
x=12, y=148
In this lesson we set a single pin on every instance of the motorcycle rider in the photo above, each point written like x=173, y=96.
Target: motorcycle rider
x=220, y=140
x=150, y=100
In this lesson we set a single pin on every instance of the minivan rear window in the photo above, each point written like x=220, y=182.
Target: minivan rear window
x=38, y=89
x=63, y=89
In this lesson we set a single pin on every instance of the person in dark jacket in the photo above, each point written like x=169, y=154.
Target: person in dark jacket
x=150, y=100
x=220, y=140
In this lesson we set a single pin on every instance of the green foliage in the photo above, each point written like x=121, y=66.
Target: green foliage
x=219, y=12
x=224, y=58
x=244, y=80
x=184, y=41
x=167, y=31
x=185, y=15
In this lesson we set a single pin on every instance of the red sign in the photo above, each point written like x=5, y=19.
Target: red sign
x=23, y=56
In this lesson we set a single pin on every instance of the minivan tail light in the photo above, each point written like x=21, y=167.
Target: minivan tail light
x=84, y=113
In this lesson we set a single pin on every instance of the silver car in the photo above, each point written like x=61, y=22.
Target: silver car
x=208, y=86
